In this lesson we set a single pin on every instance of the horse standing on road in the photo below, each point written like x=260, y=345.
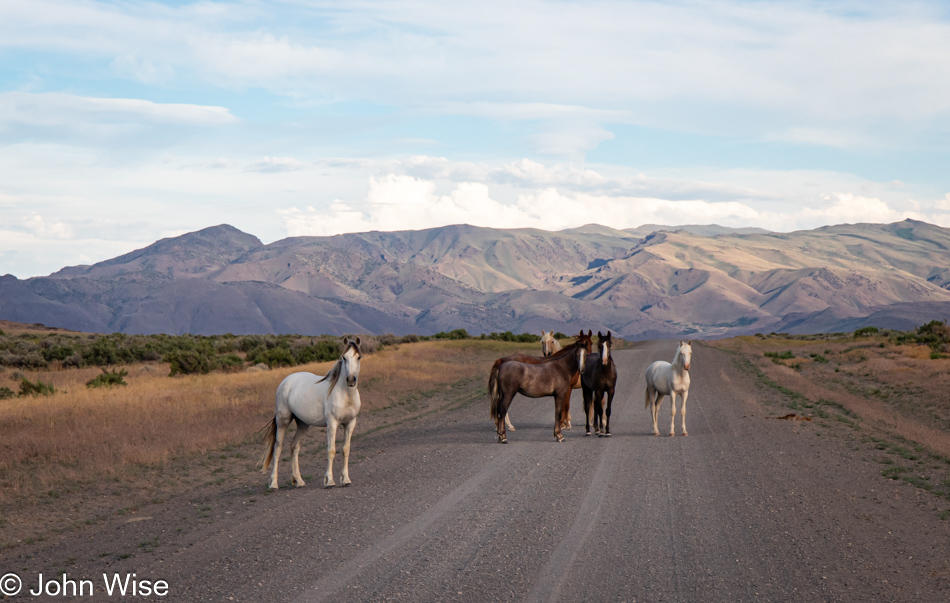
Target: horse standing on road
x=598, y=380
x=550, y=377
x=666, y=379
x=312, y=400
x=581, y=339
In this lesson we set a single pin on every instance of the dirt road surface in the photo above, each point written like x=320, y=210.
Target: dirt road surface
x=746, y=508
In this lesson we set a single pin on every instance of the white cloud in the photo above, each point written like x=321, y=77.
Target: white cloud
x=943, y=204
x=58, y=109
x=54, y=230
x=275, y=164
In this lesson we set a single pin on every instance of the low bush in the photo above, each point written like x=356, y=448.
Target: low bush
x=108, y=378
x=28, y=388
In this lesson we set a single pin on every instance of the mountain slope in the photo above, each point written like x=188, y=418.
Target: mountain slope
x=706, y=280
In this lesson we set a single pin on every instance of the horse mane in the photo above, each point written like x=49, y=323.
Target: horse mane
x=334, y=375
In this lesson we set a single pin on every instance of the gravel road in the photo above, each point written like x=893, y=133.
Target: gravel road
x=745, y=508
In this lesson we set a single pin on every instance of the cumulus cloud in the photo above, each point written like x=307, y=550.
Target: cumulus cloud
x=943, y=204
x=43, y=229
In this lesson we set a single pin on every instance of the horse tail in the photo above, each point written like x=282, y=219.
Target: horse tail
x=270, y=436
x=494, y=390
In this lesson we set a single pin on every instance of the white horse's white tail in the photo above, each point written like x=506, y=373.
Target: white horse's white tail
x=270, y=436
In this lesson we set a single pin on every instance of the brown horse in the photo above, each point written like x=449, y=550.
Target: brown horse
x=581, y=339
x=550, y=377
x=599, y=378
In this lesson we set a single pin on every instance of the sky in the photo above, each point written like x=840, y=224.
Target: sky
x=123, y=122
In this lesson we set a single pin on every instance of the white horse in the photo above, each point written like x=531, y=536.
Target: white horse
x=549, y=344
x=665, y=379
x=312, y=400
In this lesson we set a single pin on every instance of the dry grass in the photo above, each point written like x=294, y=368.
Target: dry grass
x=894, y=388
x=80, y=434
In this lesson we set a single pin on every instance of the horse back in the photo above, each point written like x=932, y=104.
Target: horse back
x=533, y=380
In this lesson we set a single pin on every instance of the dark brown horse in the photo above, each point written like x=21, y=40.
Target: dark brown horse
x=582, y=339
x=599, y=379
x=550, y=377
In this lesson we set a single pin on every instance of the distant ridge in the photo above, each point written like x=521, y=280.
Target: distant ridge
x=648, y=282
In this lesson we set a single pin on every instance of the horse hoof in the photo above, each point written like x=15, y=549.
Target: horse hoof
x=273, y=486
x=587, y=434
x=672, y=434
x=328, y=483
x=300, y=484
x=502, y=440
x=512, y=428
x=346, y=484
x=606, y=435
x=685, y=434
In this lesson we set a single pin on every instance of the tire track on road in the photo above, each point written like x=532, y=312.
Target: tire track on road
x=548, y=585
x=330, y=584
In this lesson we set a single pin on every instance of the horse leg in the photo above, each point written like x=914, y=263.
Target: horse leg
x=559, y=411
x=282, y=425
x=588, y=409
x=332, y=424
x=610, y=401
x=500, y=425
x=508, y=424
x=673, y=416
x=347, y=434
x=295, y=446
x=683, y=412
x=657, y=401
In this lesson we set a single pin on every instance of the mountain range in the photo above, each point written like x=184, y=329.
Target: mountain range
x=649, y=282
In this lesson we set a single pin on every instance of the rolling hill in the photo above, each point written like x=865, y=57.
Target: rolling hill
x=653, y=281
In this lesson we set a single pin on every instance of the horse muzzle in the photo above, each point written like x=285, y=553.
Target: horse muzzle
x=351, y=381
x=686, y=366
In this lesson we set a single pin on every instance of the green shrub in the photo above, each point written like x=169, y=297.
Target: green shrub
x=5, y=393
x=780, y=355
x=456, y=334
x=190, y=362
x=28, y=388
x=865, y=332
x=108, y=378
x=230, y=362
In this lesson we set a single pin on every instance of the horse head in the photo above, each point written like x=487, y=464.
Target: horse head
x=351, y=360
x=547, y=343
x=603, y=344
x=585, y=340
x=685, y=351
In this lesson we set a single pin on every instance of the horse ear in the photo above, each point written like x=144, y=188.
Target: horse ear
x=608, y=334
x=346, y=340
x=600, y=335
x=689, y=342
x=590, y=333
x=357, y=340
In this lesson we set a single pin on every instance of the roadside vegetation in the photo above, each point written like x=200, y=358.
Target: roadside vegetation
x=887, y=388
x=123, y=415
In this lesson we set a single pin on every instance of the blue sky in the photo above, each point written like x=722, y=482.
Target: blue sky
x=122, y=122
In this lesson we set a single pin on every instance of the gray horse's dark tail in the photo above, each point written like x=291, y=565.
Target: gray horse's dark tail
x=270, y=436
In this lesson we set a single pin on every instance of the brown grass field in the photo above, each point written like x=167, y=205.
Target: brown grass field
x=889, y=397
x=97, y=448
